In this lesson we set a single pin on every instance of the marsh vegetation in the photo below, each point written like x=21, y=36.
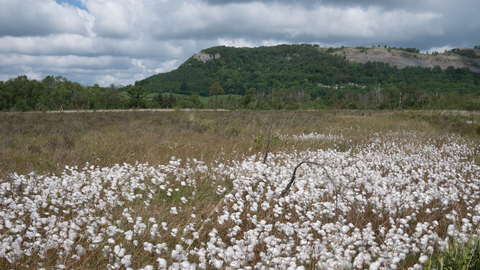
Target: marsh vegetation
x=189, y=189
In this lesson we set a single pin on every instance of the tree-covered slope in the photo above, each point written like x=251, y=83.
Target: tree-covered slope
x=279, y=77
x=298, y=66
x=239, y=69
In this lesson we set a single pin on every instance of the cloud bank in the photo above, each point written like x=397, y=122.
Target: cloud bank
x=121, y=41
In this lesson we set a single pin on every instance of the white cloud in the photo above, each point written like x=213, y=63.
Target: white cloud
x=439, y=49
x=38, y=18
x=261, y=21
x=71, y=44
x=124, y=40
x=241, y=42
x=112, y=18
x=164, y=67
x=89, y=21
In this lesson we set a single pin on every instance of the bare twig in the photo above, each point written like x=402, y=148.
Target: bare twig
x=357, y=212
x=268, y=144
x=9, y=167
x=285, y=191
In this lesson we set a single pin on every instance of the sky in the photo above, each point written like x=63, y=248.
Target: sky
x=122, y=41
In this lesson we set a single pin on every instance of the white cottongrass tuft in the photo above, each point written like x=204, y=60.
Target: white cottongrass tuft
x=398, y=183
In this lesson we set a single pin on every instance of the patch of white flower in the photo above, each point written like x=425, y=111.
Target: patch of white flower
x=384, y=200
x=312, y=136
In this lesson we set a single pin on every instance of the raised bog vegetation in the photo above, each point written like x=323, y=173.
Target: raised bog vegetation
x=191, y=190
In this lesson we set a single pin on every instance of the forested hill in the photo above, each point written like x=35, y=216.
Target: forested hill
x=279, y=77
x=311, y=68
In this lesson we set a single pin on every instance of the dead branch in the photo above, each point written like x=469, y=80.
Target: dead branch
x=9, y=167
x=285, y=191
x=268, y=145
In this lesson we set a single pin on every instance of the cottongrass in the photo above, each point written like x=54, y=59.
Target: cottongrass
x=389, y=203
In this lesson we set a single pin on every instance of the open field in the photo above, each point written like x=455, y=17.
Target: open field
x=189, y=189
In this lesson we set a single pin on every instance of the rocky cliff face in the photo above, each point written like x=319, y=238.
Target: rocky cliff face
x=401, y=59
x=201, y=56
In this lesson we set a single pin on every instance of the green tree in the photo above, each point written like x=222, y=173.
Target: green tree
x=183, y=88
x=109, y=98
x=5, y=97
x=171, y=101
x=137, y=96
x=79, y=98
x=216, y=89
x=20, y=88
x=249, y=97
x=21, y=106
x=60, y=91
x=159, y=99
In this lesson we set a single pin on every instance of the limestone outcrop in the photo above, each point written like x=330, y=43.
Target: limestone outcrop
x=201, y=56
x=402, y=59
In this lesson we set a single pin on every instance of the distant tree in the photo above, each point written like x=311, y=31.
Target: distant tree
x=159, y=99
x=170, y=101
x=249, y=97
x=437, y=70
x=137, y=96
x=450, y=70
x=183, y=88
x=109, y=98
x=412, y=50
x=378, y=94
x=5, y=96
x=60, y=91
x=216, y=89
x=79, y=99
x=21, y=106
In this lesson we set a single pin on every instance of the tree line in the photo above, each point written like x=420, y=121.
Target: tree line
x=280, y=77
x=376, y=97
x=58, y=93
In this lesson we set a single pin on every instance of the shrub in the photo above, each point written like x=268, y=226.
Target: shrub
x=457, y=256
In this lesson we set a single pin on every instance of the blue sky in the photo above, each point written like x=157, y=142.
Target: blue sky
x=121, y=41
x=74, y=3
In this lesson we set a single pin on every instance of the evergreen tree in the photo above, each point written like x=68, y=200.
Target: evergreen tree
x=159, y=99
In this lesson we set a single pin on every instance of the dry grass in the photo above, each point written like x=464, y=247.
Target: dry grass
x=46, y=143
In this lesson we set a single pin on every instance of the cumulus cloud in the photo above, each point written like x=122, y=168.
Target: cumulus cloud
x=67, y=44
x=439, y=49
x=39, y=18
x=106, y=41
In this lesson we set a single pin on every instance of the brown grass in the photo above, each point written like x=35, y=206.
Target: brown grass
x=46, y=143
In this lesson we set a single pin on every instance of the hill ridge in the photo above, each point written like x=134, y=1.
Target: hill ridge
x=402, y=59
x=305, y=66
